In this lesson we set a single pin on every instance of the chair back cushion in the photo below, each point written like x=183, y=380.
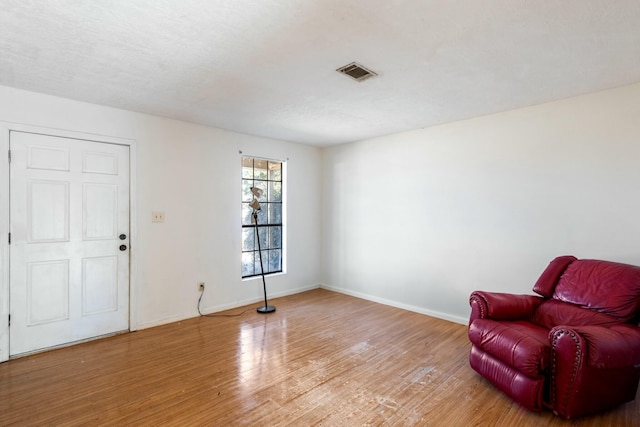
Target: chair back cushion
x=550, y=276
x=607, y=287
x=552, y=313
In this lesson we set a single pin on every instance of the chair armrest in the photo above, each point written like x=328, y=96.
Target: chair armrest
x=593, y=368
x=617, y=346
x=502, y=306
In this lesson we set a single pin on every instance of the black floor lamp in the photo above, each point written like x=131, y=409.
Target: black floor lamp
x=255, y=205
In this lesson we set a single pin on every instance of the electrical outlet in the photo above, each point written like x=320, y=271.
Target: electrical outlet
x=201, y=286
x=157, y=216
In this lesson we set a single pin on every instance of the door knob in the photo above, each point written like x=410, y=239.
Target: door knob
x=123, y=247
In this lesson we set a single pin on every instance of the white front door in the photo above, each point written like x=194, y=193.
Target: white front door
x=69, y=251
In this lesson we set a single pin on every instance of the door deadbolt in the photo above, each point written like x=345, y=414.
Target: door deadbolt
x=123, y=236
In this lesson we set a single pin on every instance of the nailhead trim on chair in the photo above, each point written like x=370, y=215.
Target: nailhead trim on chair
x=481, y=303
x=576, y=363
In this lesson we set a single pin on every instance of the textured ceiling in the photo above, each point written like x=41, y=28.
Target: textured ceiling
x=267, y=67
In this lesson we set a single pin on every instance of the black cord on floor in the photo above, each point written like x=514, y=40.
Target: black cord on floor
x=217, y=315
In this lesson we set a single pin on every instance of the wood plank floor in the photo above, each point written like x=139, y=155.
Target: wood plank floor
x=322, y=359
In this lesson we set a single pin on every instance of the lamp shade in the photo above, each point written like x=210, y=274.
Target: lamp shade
x=255, y=205
x=257, y=192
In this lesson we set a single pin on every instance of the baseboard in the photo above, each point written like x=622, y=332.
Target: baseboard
x=163, y=321
x=259, y=299
x=229, y=306
x=223, y=307
x=421, y=310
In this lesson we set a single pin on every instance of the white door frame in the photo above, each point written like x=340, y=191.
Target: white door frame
x=5, y=129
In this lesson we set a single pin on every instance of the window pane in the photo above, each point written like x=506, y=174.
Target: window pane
x=247, y=167
x=248, y=239
x=247, y=264
x=265, y=261
x=275, y=191
x=275, y=260
x=262, y=232
x=275, y=237
x=275, y=171
x=263, y=186
x=247, y=195
x=275, y=213
x=246, y=214
x=262, y=216
x=247, y=217
x=260, y=169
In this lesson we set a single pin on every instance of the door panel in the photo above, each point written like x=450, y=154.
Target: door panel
x=47, y=292
x=69, y=202
x=47, y=211
x=99, y=279
x=100, y=211
x=106, y=163
x=48, y=158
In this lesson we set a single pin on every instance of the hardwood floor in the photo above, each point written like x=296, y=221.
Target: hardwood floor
x=322, y=358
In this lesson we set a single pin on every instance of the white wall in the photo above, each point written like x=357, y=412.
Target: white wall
x=418, y=219
x=192, y=173
x=423, y=218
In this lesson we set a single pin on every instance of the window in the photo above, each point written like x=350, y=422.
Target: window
x=266, y=175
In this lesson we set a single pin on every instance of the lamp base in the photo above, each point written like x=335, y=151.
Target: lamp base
x=266, y=309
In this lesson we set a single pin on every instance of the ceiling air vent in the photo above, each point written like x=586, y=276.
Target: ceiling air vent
x=356, y=71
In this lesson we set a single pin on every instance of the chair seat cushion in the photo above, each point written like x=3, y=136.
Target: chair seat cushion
x=520, y=344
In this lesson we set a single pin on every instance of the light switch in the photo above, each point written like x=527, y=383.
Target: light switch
x=157, y=216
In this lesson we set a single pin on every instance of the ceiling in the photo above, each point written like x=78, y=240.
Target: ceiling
x=268, y=67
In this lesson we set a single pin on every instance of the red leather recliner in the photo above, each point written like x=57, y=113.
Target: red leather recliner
x=574, y=349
